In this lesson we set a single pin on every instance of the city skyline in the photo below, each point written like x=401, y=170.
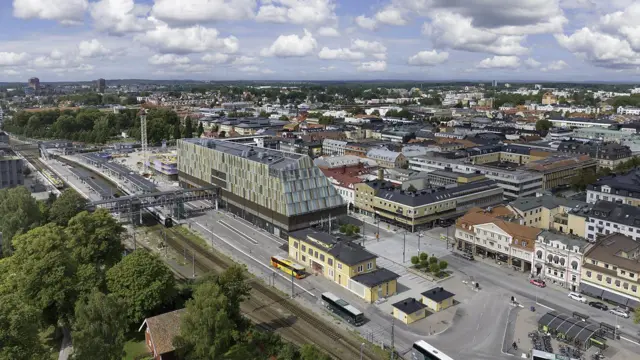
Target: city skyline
x=537, y=40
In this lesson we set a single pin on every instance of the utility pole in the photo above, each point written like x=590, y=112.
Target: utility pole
x=393, y=352
x=404, y=245
x=193, y=261
x=292, y=293
x=419, y=236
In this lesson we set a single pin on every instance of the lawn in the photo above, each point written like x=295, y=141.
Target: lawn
x=191, y=235
x=134, y=349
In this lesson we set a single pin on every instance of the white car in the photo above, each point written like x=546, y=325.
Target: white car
x=578, y=297
x=620, y=312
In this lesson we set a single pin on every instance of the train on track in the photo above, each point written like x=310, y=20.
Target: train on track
x=55, y=179
x=165, y=220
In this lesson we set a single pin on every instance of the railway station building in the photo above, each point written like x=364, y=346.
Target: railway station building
x=278, y=191
x=343, y=262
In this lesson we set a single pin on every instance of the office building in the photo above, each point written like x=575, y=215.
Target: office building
x=515, y=182
x=425, y=208
x=623, y=189
x=561, y=169
x=101, y=85
x=611, y=270
x=276, y=190
x=580, y=122
x=558, y=259
x=343, y=262
x=11, y=171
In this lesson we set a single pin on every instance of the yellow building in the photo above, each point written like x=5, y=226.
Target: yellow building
x=550, y=213
x=409, y=310
x=611, y=270
x=438, y=299
x=343, y=262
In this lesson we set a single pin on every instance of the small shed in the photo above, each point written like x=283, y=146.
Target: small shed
x=159, y=334
x=409, y=310
x=437, y=299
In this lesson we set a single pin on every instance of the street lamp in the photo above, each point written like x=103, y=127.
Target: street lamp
x=404, y=244
x=419, y=236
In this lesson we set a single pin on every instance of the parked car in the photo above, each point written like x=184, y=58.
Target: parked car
x=538, y=282
x=577, y=297
x=598, y=305
x=620, y=312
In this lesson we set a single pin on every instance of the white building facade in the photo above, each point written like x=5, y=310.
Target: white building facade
x=558, y=259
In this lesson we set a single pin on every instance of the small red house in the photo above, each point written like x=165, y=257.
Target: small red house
x=159, y=334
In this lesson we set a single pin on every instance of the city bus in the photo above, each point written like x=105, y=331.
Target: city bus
x=288, y=266
x=343, y=309
x=422, y=350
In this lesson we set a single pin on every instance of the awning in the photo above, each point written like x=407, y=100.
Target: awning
x=591, y=290
x=632, y=303
x=618, y=299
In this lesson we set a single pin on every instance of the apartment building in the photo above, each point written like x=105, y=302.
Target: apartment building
x=387, y=158
x=608, y=155
x=343, y=262
x=622, y=110
x=611, y=270
x=549, y=212
x=423, y=208
x=277, y=191
x=333, y=147
x=558, y=259
x=11, y=167
x=485, y=235
x=623, y=189
x=514, y=181
x=606, y=217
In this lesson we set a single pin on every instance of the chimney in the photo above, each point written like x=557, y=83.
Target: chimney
x=380, y=174
x=344, y=169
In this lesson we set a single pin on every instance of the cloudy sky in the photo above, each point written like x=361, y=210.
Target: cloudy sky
x=575, y=40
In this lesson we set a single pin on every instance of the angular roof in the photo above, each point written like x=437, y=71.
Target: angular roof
x=546, y=201
x=375, y=277
x=438, y=294
x=391, y=193
x=350, y=253
x=163, y=328
x=409, y=305
x=617, y=249
x=618, y=213
x=516, y=231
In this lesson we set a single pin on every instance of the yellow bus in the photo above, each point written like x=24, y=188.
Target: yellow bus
x=288, y=266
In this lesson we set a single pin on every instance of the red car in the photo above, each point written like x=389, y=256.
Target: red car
x=537, y=282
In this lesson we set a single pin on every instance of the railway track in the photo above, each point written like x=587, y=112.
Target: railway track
x=264, y=301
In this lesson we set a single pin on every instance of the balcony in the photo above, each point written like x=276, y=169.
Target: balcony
x=561, y=219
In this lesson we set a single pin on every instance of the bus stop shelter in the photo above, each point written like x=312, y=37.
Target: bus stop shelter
x=577, y=332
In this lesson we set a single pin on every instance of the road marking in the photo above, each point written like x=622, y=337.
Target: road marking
x=629, y=340
x=237, y=232
x=545, y=306
x=504, y=337
x=242, y=221
x=252, y=258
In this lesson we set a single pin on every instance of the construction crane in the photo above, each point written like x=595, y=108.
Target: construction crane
x=143, y=140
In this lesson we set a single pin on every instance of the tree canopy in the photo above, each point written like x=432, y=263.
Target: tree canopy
x=66, y=206
x=19, y=212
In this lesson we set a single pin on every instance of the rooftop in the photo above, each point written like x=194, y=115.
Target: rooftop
x=273, y=158
x=617, y=213
x=409, y=305
x=568, y=240
x=438, y=294
x=163, y=328
x=375, y=277
x=617, y=249
x=343, y=250
x=546, y=201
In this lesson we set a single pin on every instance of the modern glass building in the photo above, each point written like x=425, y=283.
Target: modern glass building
x=276, y=190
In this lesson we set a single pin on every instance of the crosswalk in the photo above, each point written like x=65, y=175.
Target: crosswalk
x=406, y=278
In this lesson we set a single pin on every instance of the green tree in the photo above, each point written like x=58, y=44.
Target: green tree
x=66, y=206
x=636, y=315
x=45, y=273
x=99, y=328
x=443, y=265
x=200, y=130
x=19, y=330
x=95, y=238
x=310, y=352
x=433, y=260
x=177, y=133
x=424, y=264
x=543, y=125
x=19, y=212
x=415, y=260
x=424, y=256
x=434, y=268
x=188, y=128
x=284, y=118
x=143, y=281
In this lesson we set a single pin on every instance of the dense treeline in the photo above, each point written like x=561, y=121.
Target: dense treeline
x=95, y=126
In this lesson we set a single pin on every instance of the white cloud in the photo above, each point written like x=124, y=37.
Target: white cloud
x=373, y=66
x=600, y=49
x=301, y=12
x=119, y=17
x=451, y=30
x=68, y=12
x=499, y=62
x=368, y=46
x=216, y=58
x=380, y=56
x=245, y=60
x=532, y=63
x=12, y=58
x=327, y=68
x=428, y=58
x=10, y=72
x=366, y=22
x=201, y=11
x=168, y=59
x=291, y=46
x=195, y=39
x=255, y=69
x=92, y=49
x=391, y=16
x=556, y=66
x=328, y=31
x=340, y=54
